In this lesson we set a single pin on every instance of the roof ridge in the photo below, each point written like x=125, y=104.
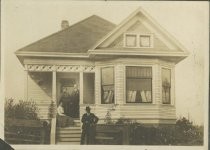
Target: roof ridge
x=102, y=19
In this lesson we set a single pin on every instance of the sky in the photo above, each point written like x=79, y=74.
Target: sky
x=24, y=22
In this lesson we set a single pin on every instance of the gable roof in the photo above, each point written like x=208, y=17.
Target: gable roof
x=103, y=43
x=78, y=38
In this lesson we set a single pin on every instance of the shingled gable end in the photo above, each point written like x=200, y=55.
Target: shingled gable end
x=127, y=68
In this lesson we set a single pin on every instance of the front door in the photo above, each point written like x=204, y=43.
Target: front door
x=68, y=94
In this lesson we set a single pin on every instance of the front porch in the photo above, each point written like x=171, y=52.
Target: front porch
x=45, y=84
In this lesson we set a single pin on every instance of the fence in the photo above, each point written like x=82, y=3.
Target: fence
x=19, y=131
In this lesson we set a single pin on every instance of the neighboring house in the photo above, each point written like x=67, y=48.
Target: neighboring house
x=127, y=68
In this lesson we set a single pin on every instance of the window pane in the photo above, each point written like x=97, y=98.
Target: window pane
x=139, y=84
x=107, y=94
x=166, y=86
x=107, y=76
x=139, y=90
x=107, y=85
x=131, y=40
x=88, y=88
x=144, y=40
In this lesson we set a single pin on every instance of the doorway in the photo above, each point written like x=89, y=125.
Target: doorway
x=68, y=93
x=89, y=88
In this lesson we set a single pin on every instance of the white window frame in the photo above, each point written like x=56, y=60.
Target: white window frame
x=171, y=100
x=131, y=34
x=107, y=66
x=125, y=85
x=138, y=45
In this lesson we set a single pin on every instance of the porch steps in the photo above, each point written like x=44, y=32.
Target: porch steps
x=77, y=122
x=69, y=135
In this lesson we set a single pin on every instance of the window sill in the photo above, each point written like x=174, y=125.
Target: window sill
x=172, y=105
x=133, y=104
x=113, y=104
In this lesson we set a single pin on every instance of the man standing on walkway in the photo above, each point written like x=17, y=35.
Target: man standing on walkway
x=89, y=121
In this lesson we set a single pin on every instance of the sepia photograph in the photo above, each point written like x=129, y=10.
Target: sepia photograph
x=105, y=74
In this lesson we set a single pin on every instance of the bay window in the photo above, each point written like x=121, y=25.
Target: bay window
x=138, y=84
x=166, y=86
x=107, y=85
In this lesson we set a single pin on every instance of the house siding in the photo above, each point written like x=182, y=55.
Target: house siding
x=119, y=84
x=156, y=84
x=167, y=112
x=41, y=97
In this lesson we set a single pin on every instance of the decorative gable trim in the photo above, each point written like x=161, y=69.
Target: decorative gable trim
x=149, y=19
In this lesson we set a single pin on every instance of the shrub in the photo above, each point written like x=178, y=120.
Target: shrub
x=182, y=133
x=21, y=110
x=187, y=133
x=108, y=118
x=25, y=113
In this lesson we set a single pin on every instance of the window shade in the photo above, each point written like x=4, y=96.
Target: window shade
x=139, y=72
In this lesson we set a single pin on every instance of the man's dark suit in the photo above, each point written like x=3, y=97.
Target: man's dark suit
x=89, y=121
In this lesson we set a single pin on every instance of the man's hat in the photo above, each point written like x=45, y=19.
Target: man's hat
x=87, y=108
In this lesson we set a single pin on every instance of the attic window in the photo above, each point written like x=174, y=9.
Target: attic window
x=144, y=40
x=133, y=40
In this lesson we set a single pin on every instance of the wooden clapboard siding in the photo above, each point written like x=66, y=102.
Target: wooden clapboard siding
x=41, y=96
x=140, y=111
x=156, y=88
x=167, y=112
x=97, y=85
x=119, y=84
x=173, y=86
x=143, y=113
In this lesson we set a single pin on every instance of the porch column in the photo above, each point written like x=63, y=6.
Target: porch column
x=53, y=109
x=54, y=87
x=81, y=87
x=26, y=82
x=97, y=85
